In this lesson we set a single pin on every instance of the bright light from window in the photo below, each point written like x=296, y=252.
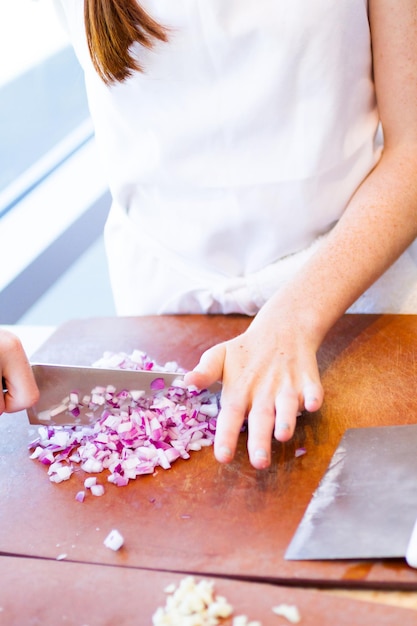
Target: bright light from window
x=29, y=33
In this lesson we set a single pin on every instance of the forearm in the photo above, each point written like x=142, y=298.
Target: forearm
x=377, y=226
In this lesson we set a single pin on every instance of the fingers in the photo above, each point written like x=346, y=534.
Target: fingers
x=229, y=425
x=313, y=396
x=260, y=427
x=232, y=412
x=2, y=401
x=17, y=377
x=266, y=419
x=288, y=406
x=271, y=402
x=209, y=369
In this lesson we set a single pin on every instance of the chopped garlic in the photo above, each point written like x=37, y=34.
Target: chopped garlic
x=289, y=611
x=192, y=604
x=242, y=620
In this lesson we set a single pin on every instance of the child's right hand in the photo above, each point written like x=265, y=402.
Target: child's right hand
x=19, y=390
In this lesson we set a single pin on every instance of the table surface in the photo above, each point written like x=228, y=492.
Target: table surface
x=76, y=594
x=231, y=522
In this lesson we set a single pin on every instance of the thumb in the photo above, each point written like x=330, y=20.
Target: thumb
x=209, y=369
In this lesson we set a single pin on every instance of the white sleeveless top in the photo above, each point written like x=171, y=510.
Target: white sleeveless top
x=236, y=150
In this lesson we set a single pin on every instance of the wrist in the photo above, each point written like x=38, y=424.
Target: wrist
x=311, y=318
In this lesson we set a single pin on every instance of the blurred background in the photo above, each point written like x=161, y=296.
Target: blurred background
x=53, y=195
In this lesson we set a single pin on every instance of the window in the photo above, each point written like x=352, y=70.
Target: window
x=53, y=197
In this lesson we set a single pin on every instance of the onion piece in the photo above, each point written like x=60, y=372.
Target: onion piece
x=157, y=383
x=300, y=452
x=58, y=472
x=80, y=496
x=97, y=490
x=114, y=540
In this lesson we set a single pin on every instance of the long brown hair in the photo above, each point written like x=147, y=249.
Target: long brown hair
x=112, y=26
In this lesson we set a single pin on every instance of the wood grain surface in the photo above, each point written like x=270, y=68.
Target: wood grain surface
x=200, y=516
x=51, y=593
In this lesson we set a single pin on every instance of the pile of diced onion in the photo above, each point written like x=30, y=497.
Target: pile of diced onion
x=134, y=433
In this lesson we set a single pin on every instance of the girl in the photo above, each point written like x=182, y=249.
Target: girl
x=262, y=159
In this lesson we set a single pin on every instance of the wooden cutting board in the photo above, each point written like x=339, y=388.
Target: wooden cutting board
x=201, y=516
x=59, y=592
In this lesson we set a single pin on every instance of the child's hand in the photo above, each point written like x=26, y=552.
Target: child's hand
x=16, y=374
x=269, y=375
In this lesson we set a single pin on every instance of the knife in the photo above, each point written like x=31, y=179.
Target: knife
x=365, y=506
x=57, y=382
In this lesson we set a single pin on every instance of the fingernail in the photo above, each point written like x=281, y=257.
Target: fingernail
x=311, y=402
x=260, y=454
x=224, y=453
x=282, y=427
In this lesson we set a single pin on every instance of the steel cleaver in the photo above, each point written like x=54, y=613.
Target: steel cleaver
x=365, y=507
x=56, y=382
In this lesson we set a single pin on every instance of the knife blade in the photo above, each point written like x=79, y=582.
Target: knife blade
x=56, y=382
x=365, y=506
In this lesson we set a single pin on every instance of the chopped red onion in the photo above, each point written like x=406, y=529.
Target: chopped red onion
x=300, y=452
x=114, y=540
x=97, y=490
x=134, y=433
x=157, y=383
x=58, y=472
x=59, y=409
x=80, y=496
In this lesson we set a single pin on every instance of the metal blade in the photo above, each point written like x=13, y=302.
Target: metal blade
x=366, y=504
x=55, y=382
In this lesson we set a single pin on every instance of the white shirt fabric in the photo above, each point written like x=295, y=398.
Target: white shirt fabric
x=236, y=151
